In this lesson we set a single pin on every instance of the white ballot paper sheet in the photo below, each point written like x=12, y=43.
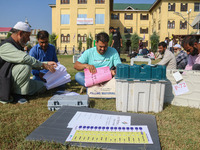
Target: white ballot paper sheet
x=92, y=119
x=59, y=77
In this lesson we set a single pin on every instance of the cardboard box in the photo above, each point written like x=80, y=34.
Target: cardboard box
x=106, y=90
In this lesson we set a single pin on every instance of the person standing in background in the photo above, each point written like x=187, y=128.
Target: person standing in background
x=117, y=39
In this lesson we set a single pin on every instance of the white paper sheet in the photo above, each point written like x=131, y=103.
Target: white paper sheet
x=59, y=77
x=92, y=119
x=177, y=76
x=67, y=93
x=180, y=88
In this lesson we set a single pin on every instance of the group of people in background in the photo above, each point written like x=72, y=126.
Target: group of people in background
x=174, y=57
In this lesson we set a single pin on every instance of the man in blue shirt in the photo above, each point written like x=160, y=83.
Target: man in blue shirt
x=43, y=52
x=99, y=56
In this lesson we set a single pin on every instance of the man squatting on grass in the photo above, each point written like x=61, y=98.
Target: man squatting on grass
x=16, y=66
x=99, y=56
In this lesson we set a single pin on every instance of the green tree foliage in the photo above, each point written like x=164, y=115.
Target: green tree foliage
x=9, y=34
x=154, y=41
x=135, y=41
x=89, y=41
x=52, y=39
x=80, y=46
x=124, y=40
x=110, y=39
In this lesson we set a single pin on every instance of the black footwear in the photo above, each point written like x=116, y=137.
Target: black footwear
x=19, y=99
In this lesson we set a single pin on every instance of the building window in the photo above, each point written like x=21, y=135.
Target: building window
x=183, y=25
x=99, y=19
x=65, y=19
x=196, y=6
x=159, y=10
x=128, y=30
x=65, y=39
x=171, y=7
x=115, y=16
x=128, y=17
x=159, y=26
x=82, y=1
x=143, y=31
x=184, y=7
x=82, y=38
x=64, y=1
x=100, y=1
x=171, y=25
x=82, y=15
x=144, y=17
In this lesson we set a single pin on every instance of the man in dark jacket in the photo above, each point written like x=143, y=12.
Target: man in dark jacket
x=17, y=65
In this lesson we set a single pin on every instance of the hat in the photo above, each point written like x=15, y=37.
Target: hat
x=111, y=28
x=177, y=45
x=22, y=26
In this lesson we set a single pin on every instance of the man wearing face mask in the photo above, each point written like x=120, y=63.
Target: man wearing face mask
x=16, y=66
x=191, y=45
x=43, y=51
x=99, y=56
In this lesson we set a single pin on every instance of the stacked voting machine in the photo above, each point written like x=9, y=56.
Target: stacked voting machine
x=59, y=77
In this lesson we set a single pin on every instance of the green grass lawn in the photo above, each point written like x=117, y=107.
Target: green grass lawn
x=178, y=127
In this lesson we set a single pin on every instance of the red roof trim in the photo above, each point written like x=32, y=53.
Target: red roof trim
x=5, y=29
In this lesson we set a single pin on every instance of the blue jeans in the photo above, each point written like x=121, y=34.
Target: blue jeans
x=80, y=78
x=36, y=78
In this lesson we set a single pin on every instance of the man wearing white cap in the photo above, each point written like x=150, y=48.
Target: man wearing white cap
x=16, y=66
x=181, y=57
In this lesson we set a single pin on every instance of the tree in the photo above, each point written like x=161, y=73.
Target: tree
x=89, y=41
x=154, y=41
x=135, y=41
x=110, y=39
x=9, y=34
x=124, y=40
x=80, y=46
x=52, y=39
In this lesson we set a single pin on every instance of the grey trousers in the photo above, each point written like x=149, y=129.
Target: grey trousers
x=22, y=84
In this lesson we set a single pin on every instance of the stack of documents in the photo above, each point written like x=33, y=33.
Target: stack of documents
x=103, y=74
x=59, y=77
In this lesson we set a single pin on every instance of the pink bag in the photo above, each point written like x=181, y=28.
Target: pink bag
x=103, y=74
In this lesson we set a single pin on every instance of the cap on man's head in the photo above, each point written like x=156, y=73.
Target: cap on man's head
x=22, y=26
x=111, y=28
x=178, y=46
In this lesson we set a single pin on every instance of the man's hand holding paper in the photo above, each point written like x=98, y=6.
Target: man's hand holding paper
x=51, y=65
x=91, y=68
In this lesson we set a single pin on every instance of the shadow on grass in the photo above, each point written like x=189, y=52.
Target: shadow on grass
x=71, y=86
x=92, y=104
x=166, y=105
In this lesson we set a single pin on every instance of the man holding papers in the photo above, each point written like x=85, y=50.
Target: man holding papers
x=96, y=57
x=43, y=52
x=16, y=66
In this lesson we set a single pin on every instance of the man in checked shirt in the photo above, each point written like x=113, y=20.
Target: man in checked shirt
x=181, y=57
